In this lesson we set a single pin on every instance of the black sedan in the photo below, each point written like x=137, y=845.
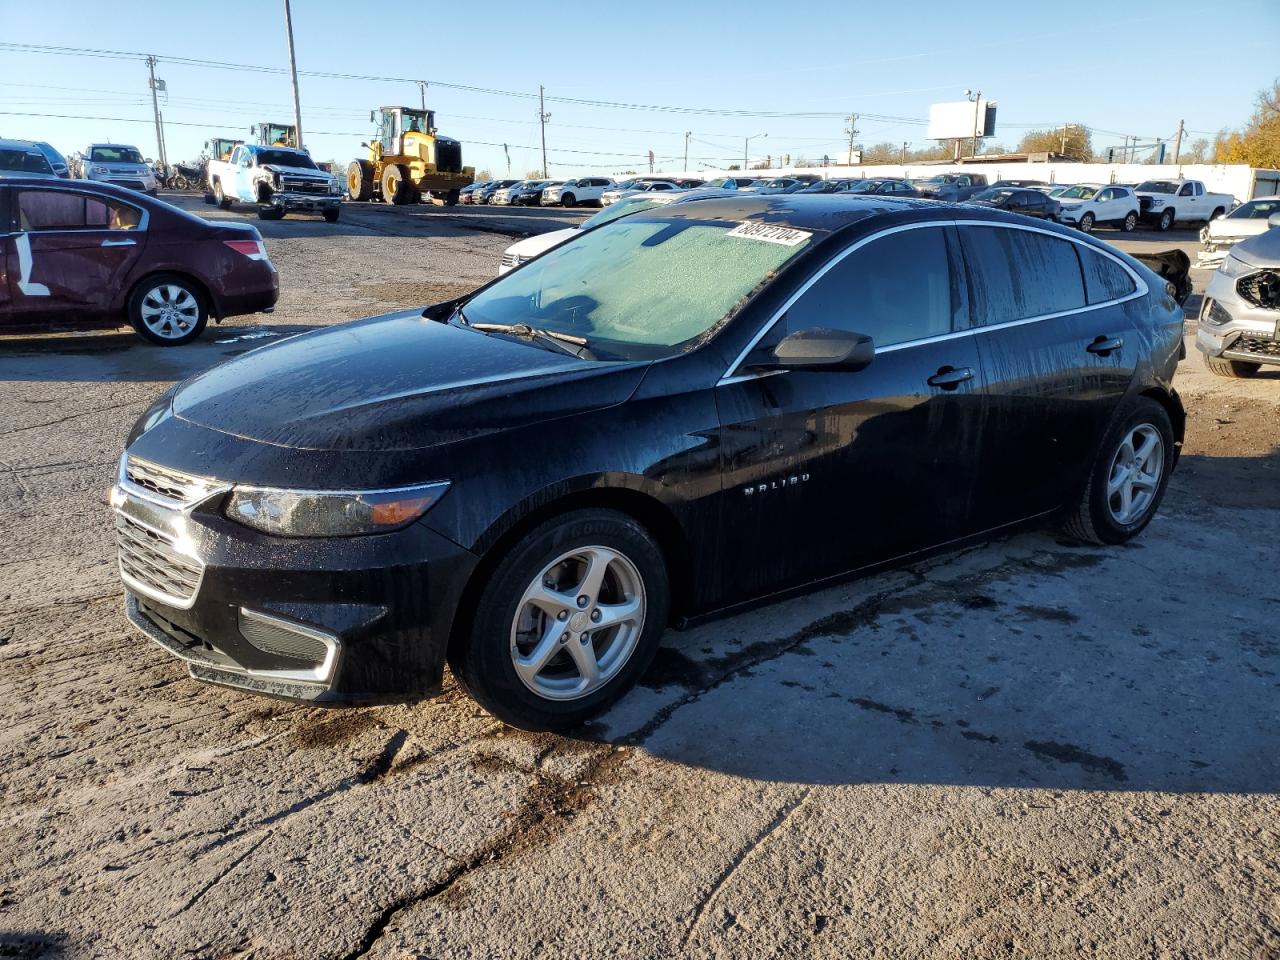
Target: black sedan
x=679, y=412
x=1029, y=203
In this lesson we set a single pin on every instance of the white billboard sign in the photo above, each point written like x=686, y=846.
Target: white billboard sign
x=955, y=121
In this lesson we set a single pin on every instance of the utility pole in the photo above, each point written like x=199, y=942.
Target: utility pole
x=1177, y=142
x=852, y=131
x=155, y=106
x=543, y=117
x=904, y=152
x=687, y=135
x=977, y=104
x=422, y=92
x=293, y=73
x=1064, y=140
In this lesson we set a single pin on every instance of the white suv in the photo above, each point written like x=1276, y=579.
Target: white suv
x=1088, y=205
x=573, y=192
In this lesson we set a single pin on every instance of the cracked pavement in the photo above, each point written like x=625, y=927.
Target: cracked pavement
x=1022, y=748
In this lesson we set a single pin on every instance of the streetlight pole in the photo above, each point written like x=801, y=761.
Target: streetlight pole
x=977, y=105
x=746, y=149
x=543, y=117
x=293, y=74
x=687, y=135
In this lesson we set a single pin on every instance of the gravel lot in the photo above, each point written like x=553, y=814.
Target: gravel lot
x=1027, y=748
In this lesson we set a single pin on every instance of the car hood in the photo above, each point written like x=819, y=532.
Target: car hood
x=532, y=246
x=397, y=382
x=1260, y=251
x=297, y=171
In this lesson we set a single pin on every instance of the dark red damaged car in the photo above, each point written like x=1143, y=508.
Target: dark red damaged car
x=80, y=255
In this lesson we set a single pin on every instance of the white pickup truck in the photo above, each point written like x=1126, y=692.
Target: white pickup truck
x=1166, y=201
x=277, y=179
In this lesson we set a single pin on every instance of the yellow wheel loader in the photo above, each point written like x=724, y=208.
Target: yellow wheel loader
x=275, y=134
x=408, y=161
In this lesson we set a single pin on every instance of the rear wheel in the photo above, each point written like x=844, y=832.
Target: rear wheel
x=395, y=185
x=1165, y=221
x=568, y=200
x=451, y=198
x=1217, y=212
x=567, y=622
x=168, y=310
x=1130, y=222
x=1128, y=477
x=1086, y=223
x=360, y=180
x=1234, y=369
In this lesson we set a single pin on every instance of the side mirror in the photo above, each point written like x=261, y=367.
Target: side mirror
x=1273, y=221
x=818, y=348
x=373, y=116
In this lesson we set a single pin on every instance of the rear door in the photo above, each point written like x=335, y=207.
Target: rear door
x=1058, y=350
x=70, y=252
x=825, y=471
x=6, y=246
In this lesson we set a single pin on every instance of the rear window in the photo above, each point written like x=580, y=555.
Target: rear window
x=1018, y=274
x=1104, y=279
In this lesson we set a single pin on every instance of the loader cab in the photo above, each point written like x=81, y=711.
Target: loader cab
x=219, y=148
x=275, y=134
x=394, y=122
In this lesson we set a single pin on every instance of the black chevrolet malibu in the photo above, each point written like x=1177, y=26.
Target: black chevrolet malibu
x=684, y=411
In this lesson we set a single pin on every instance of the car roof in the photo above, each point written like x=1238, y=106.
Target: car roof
x=815, y=211
x=118, y=146
x=52, y=182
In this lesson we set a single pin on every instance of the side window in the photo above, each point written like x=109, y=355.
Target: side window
x=1104, y=279
x=64, y=210
x=896, y=289
x=1016, y=274
x=1104, y=195
x=1185, y=191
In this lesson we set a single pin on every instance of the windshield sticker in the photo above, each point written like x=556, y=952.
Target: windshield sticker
x=769, y=233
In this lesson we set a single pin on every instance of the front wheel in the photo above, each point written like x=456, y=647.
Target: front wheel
x=168, y=310
x=1086, y=223
x=567, y=622
x=1130, y=222
x=220, y=198
x=568, y=200
x=1233, y=369
x=1165, y=222
x=1128, y=477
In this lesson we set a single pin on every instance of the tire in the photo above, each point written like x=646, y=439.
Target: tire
x=1130, y=222
x=568, y=200
x=270, y=213
x=1165, y=222
x=209, y=197
x=484, y=660
x=1233, y=369
x=1217, y=212
x=360, y=180
x=1086, y=223
x=1100, y=516
x=451, y=198
x=187, y=312
x=332, y=214
x=395, y=185
x=221, y=199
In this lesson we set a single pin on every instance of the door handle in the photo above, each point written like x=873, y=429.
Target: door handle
x=948, y=378
x=119, y=243
x=1103, y=345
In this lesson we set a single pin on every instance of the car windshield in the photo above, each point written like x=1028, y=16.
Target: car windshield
x=995, y=195
x=23, y=161
x=1079, y=193
x=641, y=288
x=285, y=158
x=115, y=155
x=1157, y=186
x=1255, y=210
x=624, y=208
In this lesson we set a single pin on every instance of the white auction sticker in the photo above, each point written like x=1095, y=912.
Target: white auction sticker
x=770, y=233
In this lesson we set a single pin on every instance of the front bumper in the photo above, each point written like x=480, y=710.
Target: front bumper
x=142, y=183
x=328, y=621
x=311, y=202
x=1234, y=329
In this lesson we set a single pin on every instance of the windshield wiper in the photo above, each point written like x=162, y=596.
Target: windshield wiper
x=565, y=342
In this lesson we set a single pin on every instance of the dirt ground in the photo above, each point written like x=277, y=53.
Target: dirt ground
x=1022, y=749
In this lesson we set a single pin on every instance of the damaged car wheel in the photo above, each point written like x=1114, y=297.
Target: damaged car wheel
x=567, y=621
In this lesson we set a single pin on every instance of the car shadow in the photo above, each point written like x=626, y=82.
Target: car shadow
x=32, y=945
x=121, y=355
x=1028, y=662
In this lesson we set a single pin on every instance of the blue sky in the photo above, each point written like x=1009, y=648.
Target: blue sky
x=1127, y=67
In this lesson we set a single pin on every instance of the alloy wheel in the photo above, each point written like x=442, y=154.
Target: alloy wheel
x=578, y=623
x=170, y=311
x=1135, y=474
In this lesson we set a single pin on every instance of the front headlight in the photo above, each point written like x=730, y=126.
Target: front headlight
x=335, y=513
x=100, y=171
x=1156, y=203
x=1233, y=266
x=335, y=186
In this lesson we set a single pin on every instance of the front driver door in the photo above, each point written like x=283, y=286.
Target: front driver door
x=70, y=253
x=827, y=471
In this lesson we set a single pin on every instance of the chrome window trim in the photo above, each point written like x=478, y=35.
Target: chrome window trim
x=1140, y=290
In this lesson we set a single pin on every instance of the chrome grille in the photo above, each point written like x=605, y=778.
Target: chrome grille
x=149, y=562
x=279, y=639
x=167, y=483
x=510, y=259
x=1257, y=346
